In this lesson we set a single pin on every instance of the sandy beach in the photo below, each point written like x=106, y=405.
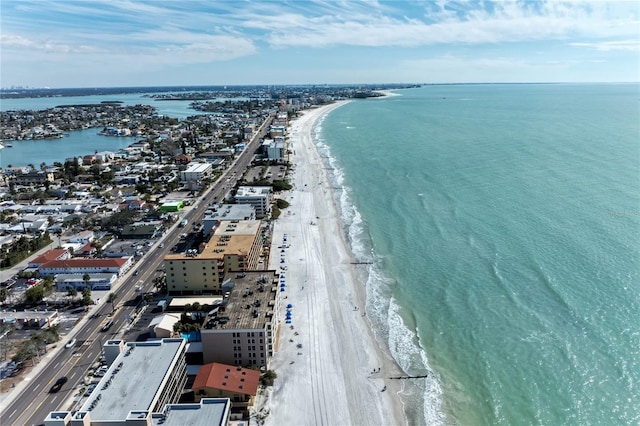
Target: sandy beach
x=331, y=370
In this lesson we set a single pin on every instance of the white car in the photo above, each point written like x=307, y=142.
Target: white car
x=71, y=343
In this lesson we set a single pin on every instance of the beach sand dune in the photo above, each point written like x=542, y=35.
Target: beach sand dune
x=327, y=356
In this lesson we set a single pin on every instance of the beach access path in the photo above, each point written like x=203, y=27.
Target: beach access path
x=330, y=368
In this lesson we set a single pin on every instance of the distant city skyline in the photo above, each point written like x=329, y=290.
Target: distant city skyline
x=162, y=43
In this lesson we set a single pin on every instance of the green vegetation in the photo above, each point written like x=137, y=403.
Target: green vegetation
x=23, y=248
x=282, y=204
x=36, y=293
x=275, y=212
x=37, y=344
x=86, y=296
x=268, y=377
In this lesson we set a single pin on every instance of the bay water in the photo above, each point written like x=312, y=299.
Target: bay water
x=503, y=224
x=79, y=142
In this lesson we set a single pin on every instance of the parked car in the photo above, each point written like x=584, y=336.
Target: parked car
x=71, y=343
x=58, y=384
x=89, y=390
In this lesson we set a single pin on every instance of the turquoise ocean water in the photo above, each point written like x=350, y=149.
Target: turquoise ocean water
x=503, y=222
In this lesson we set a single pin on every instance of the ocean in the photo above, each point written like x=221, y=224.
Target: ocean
x=503, y=223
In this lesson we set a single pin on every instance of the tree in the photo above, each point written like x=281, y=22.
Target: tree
x=86, y=278
x=86, y=296
x=268, y=378
x=4, y=295
x=72, y=293
x=35, y=294
x=111, y=298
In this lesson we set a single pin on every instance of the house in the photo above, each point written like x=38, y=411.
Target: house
x=182, y=159
x=239, y=384
x=83, y=237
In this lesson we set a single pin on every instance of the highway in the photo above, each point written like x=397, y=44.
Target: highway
x=35, y=402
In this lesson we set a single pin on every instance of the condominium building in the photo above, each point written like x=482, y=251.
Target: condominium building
x=242, y=331
x=234, y=246
x=259, y=197
x=141, y=380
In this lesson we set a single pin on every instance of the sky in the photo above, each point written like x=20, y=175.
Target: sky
x=121, y=43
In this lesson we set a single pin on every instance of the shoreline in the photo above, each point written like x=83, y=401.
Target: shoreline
x=323, y=377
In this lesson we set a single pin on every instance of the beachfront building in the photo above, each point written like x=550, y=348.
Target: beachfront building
x=274, y=149
x=234, y=246
x=219, y=213
x=277, y=130
x=240, y=385
x=242, y=331
x=259, y=197
x=142, y=379
x=196, y=172
x=79, y=265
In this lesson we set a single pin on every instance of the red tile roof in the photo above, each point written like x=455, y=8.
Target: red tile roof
x=81, y=262
x=227, y=377
x=49, y=255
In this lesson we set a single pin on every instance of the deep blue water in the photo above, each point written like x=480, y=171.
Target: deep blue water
x=504, y=224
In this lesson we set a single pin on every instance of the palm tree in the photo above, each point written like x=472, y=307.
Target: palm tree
x=72, y=293
x=86, y=278
x=111, y=299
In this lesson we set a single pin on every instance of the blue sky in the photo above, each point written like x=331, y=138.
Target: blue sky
x=101, y=43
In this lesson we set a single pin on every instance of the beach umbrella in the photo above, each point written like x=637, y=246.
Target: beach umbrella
x=288, y=321
x=288, y=316
x=289, y=306
x=281, y=288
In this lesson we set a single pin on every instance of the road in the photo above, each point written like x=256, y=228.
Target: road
x=35, y=402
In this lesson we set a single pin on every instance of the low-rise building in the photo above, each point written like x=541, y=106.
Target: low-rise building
x=86, y=266
x=65, y=282
x=196, y=172
x=49, y=255
x=240, y=385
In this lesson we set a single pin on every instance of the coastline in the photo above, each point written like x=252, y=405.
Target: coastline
x=328, y=357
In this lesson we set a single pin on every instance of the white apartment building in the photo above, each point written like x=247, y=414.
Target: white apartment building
x=259, y=197
x=196, y=172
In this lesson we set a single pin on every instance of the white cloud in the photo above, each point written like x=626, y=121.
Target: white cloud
x=606, y=46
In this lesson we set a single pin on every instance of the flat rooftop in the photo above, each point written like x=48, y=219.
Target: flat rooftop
x=133, y=379
x=209, y=412
x=230, y=238
x=251, y=302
